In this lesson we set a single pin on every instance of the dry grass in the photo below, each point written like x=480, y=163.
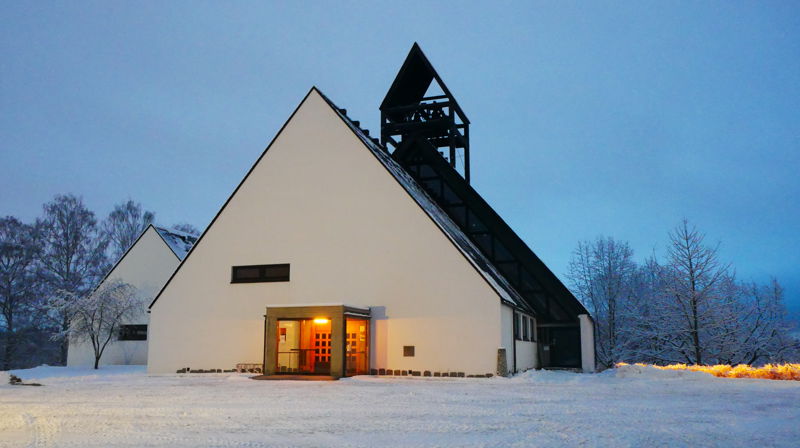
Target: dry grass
x=766, y=372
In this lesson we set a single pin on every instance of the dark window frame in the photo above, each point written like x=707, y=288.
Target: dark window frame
x=525, y=330
x=264, y=275
x=133, y=332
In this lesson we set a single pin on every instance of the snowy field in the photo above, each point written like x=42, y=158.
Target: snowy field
x=631, y=406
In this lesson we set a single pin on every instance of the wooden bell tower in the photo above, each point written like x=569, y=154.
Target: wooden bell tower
x=410, y=113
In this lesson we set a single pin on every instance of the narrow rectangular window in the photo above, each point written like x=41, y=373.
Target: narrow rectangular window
x=260, y=273
x=516, y=326
x=525, y=333
x=530, y=325
x=132, y=333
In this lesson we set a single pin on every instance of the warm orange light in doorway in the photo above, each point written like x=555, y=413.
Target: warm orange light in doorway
x=321, y=320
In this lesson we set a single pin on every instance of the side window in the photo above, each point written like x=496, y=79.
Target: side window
x=133, y=333
x=516, y=326
x=525, y=333
x=533, y=329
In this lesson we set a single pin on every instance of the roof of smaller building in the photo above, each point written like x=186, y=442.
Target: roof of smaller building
x=179, y=242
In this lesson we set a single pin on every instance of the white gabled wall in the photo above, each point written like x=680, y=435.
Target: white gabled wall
x=147, y=266
x=319, y=200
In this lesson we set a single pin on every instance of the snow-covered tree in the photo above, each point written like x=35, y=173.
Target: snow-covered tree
x=186, y=228
x=699, y=287
x=602, y=274
x=649, y=319
x=73, y=253
x=688, y=309
x=762, y=326
x=124, y=224
x=96, y=317
x=19, y=249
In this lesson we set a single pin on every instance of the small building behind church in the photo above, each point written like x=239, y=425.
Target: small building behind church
x=146, y=265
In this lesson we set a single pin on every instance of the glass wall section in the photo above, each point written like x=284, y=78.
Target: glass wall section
x=357, y=346
x=304, y=346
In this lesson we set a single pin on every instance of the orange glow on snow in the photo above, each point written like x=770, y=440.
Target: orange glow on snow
x=767, y=372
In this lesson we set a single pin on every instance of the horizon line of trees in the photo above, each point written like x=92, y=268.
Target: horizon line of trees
x=64, y=253
x=687, y=307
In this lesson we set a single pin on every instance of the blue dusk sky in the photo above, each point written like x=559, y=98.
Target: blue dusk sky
x=588, y=119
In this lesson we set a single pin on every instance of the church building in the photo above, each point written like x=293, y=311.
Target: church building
x=341, y=253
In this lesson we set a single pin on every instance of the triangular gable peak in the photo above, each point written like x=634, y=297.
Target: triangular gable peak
x=180, y=243
x=413, y=81
x=149, y=230
x=450, y=230
x=412, y=110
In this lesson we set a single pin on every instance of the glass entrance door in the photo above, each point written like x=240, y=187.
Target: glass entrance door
x=357, y=348
x=304, y=346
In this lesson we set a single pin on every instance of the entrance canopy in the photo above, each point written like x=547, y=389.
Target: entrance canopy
x=329, y=339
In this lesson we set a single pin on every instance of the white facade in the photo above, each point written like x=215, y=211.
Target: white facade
x=146, y=265
x=587, y=343
x=321, y=201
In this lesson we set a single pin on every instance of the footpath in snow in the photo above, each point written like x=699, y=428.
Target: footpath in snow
x=629, y=406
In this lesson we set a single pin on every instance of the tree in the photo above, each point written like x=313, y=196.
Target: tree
x=19, y=248
x=696, y=284
x=649, y=319
x=601, y=274
x=96, y=317
x=124, y=225
x=73, y=254
x=763, y=327
x=186, y=228
x=688, y=309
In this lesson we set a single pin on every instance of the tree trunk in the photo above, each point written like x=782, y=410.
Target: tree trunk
x=64, y=343
x=11, y=345
x=96, y=362
x=11, y=342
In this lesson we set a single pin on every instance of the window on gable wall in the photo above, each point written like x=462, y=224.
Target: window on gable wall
x=260, y=273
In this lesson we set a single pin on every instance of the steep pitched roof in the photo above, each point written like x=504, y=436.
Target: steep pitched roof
x=442, y=220
x=127, y=251
x=419, y=153
x=412, y=81
x=546, y=293
x=179, y=242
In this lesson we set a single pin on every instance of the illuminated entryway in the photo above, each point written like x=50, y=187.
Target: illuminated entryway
x=304, y=346
x=316, y=340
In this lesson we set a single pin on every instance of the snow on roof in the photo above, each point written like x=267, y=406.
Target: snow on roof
x=179, y=242
x=497, y=281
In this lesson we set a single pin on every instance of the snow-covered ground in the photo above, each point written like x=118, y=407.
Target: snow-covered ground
x=631, y=406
